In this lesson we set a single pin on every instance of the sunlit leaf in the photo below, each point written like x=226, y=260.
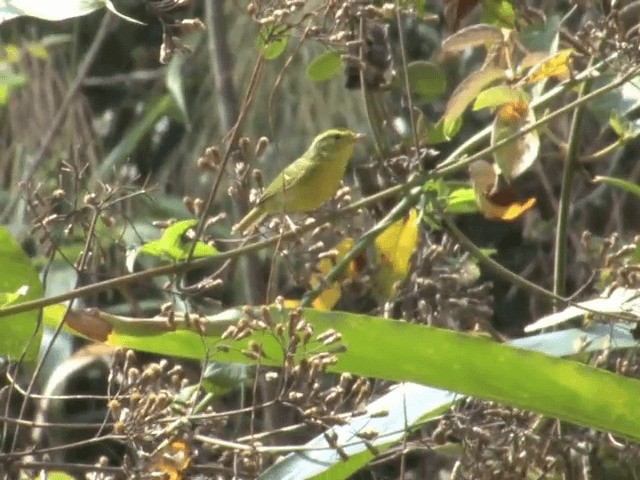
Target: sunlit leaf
x=461, y=200
x=466, y=93
x=499, y=95
x=499, y=12
x=518, y=155
x=325, y=66
x=10, y=81
x=426, y=80
x=172, y=244
x=331, y=294
x=433, y=134
x=48, y=10
x=556, y=66
x=472, y=36
x=394, y=248
x=620, y=300
x=272, y=41
x=19, y=282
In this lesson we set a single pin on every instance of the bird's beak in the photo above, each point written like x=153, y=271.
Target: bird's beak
x=359, y=136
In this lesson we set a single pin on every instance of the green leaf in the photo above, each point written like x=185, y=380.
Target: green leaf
x=433, y=134
x=461, y=200
x=221, y=378
x=466, y=93
x=625, y=185
x=458, y=362
x=172, y=245
x=499, y=95
x=272, y=41
x=174, y=80
x=426, y=80
x=499, y=12
x=419, y=404
x=19, y=282
x=325, y=66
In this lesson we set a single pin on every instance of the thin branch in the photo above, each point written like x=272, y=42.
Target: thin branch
x=560, y=251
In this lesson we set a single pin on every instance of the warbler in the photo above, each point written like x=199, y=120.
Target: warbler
x=307, y=182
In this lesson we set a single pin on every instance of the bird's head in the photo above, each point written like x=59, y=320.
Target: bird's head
x=335, y=141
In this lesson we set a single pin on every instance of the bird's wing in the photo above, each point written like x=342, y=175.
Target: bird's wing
x=291, y=175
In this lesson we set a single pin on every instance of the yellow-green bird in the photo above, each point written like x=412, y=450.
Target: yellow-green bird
x=308, y=182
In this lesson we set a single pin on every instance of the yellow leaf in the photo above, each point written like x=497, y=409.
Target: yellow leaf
x=495, y=204
x=507, y=213
x=332, y=293
x=394, y=248
x=558, y=66
x=172, y=460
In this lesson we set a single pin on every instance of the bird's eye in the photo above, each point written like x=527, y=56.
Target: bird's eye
x=337, y=136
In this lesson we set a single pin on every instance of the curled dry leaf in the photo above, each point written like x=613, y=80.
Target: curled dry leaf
x=518, y=155
x=495, y=203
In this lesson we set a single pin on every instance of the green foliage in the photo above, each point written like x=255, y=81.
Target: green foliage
x=272, y=41
x=426, y=80
x=325, y=66
x=499, y=12
x=18, y=282
x=174, y=246
x=458, y=362
x=499, y=95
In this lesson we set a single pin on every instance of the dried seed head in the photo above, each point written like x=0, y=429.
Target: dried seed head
x=192, y=25
x=295, y=396
x=230, y=332
x=58, y=194
x=257, y=178
x=244, y=144
x=205, y=165
x=108, y=220
x=91, y=199
x=188, y=203
x=213, y=154
x=198, y=204
x=261, y=146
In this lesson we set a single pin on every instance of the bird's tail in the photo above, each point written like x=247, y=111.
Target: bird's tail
x=248, y=222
